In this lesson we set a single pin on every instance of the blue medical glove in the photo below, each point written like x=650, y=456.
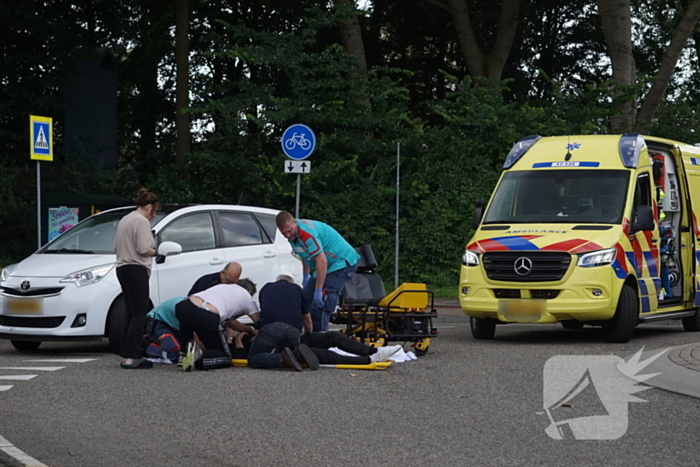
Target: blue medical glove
x=305, y=279
x=318, y=298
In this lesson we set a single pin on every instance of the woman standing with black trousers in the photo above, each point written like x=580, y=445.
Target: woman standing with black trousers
x=135, y=247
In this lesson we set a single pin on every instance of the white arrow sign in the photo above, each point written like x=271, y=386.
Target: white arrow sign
x=297, y=167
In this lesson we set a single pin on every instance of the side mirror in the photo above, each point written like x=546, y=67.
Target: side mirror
x=644, y=220
x=478, y=212
x=167, y=249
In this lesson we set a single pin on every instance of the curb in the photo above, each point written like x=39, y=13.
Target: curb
x=673, y=378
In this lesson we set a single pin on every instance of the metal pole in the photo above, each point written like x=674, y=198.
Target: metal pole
x=396, y=248
x=38, y=204
x=296, y=213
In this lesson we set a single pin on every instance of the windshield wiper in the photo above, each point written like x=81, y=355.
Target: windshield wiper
x=69, y=250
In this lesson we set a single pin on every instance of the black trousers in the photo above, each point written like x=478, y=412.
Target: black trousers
x=134, y=282
x=207, y=325
x=320, y=342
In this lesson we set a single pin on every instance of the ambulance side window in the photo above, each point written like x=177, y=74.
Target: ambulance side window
x=642, y=192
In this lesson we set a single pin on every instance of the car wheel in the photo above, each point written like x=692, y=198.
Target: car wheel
x=25, y=346
x=482, y=328
x=572, y=324
x=692, y=323
x=621, y=327
x=116, y=325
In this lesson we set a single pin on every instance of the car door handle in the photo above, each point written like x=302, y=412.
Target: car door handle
x=216, y=261
x=270, y=254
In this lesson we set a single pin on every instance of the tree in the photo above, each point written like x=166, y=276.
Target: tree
x=655, y=96
x=616, y=21
x=182, y=49
x=481, y=61
x=351, y=36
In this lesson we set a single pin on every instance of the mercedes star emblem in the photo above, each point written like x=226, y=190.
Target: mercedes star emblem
x=522, y=266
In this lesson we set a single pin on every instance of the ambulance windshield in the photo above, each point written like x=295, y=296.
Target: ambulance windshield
x=559, y=196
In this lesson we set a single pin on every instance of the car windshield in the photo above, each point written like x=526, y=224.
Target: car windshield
x=559, y=196
x=95, y=235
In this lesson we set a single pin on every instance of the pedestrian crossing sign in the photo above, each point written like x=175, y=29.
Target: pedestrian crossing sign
x=41, y=138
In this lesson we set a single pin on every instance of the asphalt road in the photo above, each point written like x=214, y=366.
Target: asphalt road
x=467, y=402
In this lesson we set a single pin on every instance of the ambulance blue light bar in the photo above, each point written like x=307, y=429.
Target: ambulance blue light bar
x=631, y=145
x=518, y=149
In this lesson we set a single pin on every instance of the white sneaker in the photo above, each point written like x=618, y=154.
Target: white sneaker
x=384, y=353
x=193, y=354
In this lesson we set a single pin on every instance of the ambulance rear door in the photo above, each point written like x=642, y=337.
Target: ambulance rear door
x=690, y=156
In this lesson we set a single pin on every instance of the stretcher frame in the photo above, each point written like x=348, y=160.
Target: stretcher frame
x=405, y=315
x=371, y=366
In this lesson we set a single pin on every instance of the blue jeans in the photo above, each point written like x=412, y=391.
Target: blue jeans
x=333, y=287
x=271, y=337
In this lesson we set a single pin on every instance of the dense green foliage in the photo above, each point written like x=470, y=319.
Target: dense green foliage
x=257, y=67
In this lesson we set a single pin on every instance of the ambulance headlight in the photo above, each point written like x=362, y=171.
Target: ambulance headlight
x=470, y=258
x=597, y=258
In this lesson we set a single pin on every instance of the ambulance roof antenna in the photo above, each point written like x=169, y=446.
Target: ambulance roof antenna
x=567, y=157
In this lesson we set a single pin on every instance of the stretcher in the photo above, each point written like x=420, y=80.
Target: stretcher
x=404, y=315
x=371, y=316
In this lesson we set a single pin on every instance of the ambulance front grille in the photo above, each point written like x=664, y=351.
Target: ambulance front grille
x=544, y=266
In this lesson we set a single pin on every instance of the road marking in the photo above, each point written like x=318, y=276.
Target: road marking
x=5, y=388
x=18, y=377
x=33, y=368
x=15, y=453
x=66, y=360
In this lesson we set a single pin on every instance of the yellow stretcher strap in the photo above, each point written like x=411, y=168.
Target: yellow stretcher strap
x=371, y=366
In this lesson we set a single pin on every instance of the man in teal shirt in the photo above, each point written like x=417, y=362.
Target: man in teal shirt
x=164, y=334
x=327, y=257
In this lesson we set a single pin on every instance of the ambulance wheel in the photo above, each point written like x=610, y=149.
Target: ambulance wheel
x=116, y=325
x=572, y=324
x=692, y=323
x=482, y=328
x=25, y=346
x=621, y=327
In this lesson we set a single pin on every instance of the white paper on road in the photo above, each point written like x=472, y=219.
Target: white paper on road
x=33, y=368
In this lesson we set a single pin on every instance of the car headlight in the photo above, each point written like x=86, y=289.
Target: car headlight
x=5, y=272
x=470, y=258
x=597, y=258
x=88, y=276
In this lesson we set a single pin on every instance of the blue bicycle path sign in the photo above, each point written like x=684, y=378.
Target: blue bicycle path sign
x=298, y=141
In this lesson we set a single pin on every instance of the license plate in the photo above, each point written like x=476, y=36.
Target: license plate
x=23, y=306
x=523, y=311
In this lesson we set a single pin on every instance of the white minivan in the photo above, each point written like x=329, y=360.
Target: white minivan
x=68, y=289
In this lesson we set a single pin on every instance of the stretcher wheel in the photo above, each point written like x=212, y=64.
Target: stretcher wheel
x=421, y=352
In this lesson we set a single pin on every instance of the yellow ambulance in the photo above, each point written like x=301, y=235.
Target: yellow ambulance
x=587, y=230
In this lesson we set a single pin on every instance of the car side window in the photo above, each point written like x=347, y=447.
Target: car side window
x=268, y=224
x=239, y=229
x=194, y=232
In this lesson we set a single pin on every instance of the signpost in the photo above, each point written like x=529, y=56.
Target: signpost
x=298, y=142
x=40, y=149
